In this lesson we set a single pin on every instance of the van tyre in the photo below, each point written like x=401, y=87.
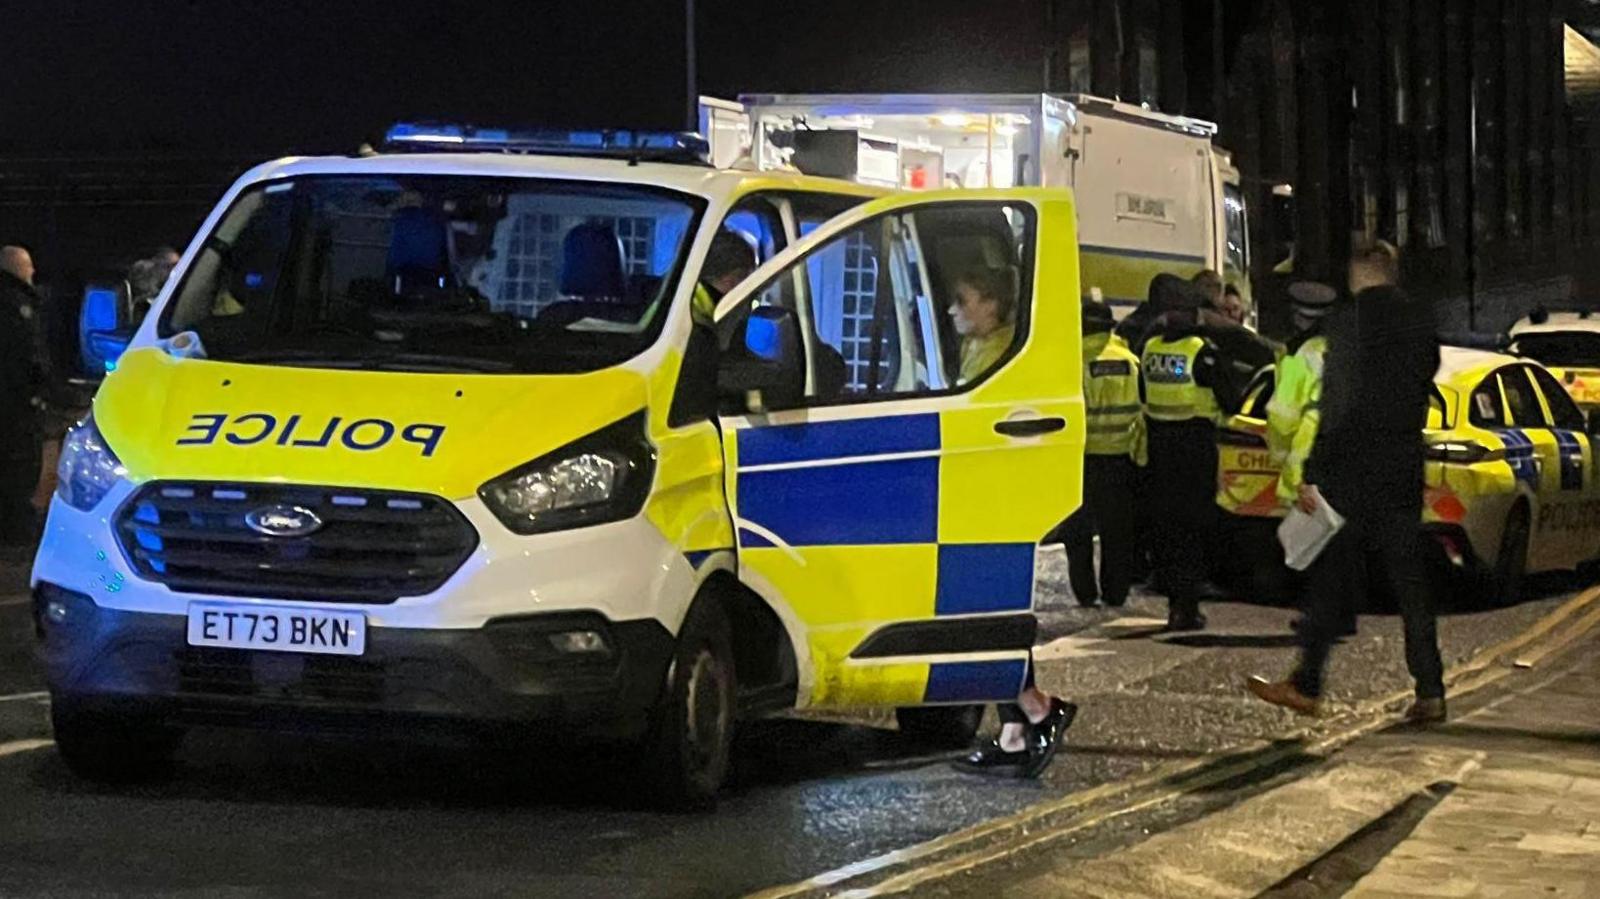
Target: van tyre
x=691, y=736
x=1511, y=564
x=110, y=749
x=941, y=727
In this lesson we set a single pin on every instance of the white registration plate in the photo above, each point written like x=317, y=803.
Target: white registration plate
x=277, y=628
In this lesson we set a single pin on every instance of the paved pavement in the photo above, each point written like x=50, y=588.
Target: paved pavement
x=264, y=815
x=1502, y=801
x=1527, y=821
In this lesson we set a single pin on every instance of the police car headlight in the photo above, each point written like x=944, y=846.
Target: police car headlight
x=88, y=468
x=602, y=478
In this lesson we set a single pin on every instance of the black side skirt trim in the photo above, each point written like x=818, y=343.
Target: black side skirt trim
x=994, y=633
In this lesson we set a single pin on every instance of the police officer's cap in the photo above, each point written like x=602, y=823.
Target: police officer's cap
x=1312, y=299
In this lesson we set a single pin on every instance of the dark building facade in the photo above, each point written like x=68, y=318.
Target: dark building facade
x=1461, y=130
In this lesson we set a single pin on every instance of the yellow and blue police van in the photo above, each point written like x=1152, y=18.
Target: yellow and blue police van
x=1512, y=477
x=1567, y=343
x=468, y=432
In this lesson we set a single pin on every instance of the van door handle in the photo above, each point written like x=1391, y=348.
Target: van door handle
x=1029, y=427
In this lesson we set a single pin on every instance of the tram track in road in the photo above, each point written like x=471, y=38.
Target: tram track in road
x=923, y=866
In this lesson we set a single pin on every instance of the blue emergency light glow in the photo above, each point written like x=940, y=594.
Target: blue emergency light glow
x=761, y=338
x=100, y=309
x=667, y=146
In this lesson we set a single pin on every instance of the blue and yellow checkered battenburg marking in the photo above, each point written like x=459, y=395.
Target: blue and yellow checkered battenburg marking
x=885, y=472
x=845, y=519
x=974, y=681
x=812, y=442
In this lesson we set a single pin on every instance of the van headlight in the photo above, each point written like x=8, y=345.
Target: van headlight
x=88, y=468
x=600, y=478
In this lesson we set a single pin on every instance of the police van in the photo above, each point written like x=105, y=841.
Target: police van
x=436, y=436
x=1155, y=193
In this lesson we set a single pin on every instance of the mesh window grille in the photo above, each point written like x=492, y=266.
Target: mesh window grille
x=860, y=293
x=533, y=264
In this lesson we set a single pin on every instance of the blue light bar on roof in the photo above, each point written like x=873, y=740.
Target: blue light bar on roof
x=664, y=145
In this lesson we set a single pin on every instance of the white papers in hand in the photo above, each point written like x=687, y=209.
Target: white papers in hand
x=1304, y=535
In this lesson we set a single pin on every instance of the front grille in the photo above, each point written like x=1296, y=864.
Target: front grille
x=207, y=671
x=372, y=547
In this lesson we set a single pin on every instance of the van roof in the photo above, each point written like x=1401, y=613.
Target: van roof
x=936, y=104
x=702, y=181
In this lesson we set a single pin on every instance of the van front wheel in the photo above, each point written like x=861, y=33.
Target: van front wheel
x=692, y=735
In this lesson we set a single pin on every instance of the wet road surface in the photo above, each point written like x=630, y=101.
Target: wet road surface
x=250, y=814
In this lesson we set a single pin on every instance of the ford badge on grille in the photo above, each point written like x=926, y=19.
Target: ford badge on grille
x=281, y=520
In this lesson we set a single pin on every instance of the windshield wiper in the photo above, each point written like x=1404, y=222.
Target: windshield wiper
x=379, y=361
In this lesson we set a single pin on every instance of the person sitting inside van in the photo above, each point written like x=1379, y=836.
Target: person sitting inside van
x=731, y=259
x=984, y=314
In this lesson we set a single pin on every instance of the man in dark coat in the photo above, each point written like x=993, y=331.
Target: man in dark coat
x=1367, y=461
x=20, y=386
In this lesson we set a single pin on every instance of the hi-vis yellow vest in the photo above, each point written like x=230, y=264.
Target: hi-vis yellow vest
x=1170, y=393
x=1293, y=416
x=1111, y=397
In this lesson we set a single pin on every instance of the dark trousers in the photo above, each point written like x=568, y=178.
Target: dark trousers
x=1183, y=502
x=19, y=477
x=1383, y=549
x=1108, y=510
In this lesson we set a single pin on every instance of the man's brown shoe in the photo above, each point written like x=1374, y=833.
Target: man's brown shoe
x=1426, y=711
x=1284, y=693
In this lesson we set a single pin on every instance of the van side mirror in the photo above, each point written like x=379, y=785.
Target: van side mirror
x=767, y=367
x=105, y=326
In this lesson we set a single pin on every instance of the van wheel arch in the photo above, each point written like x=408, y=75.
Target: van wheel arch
x=762, y=650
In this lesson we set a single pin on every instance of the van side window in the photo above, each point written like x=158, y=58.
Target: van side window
x=878, y=302
x=1237, y=258
x=756, y=219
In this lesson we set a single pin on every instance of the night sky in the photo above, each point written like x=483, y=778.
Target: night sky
x=192, y=78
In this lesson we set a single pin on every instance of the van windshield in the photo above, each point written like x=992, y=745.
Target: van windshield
x=436, y=273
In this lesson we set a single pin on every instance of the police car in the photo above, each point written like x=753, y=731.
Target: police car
x=1568, y=343
x=436, y=436
x=1512, y=485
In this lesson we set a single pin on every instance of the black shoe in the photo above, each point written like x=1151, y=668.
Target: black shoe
x=990, y=759
x=1046, y=737
x=1088, y=603
x=1427, y=711
x=1181, y=623
x=1117, y=603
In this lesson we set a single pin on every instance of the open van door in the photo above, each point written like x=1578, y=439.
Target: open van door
x=889, y=489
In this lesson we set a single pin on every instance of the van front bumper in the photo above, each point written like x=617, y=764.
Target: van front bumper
x=505, y=676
